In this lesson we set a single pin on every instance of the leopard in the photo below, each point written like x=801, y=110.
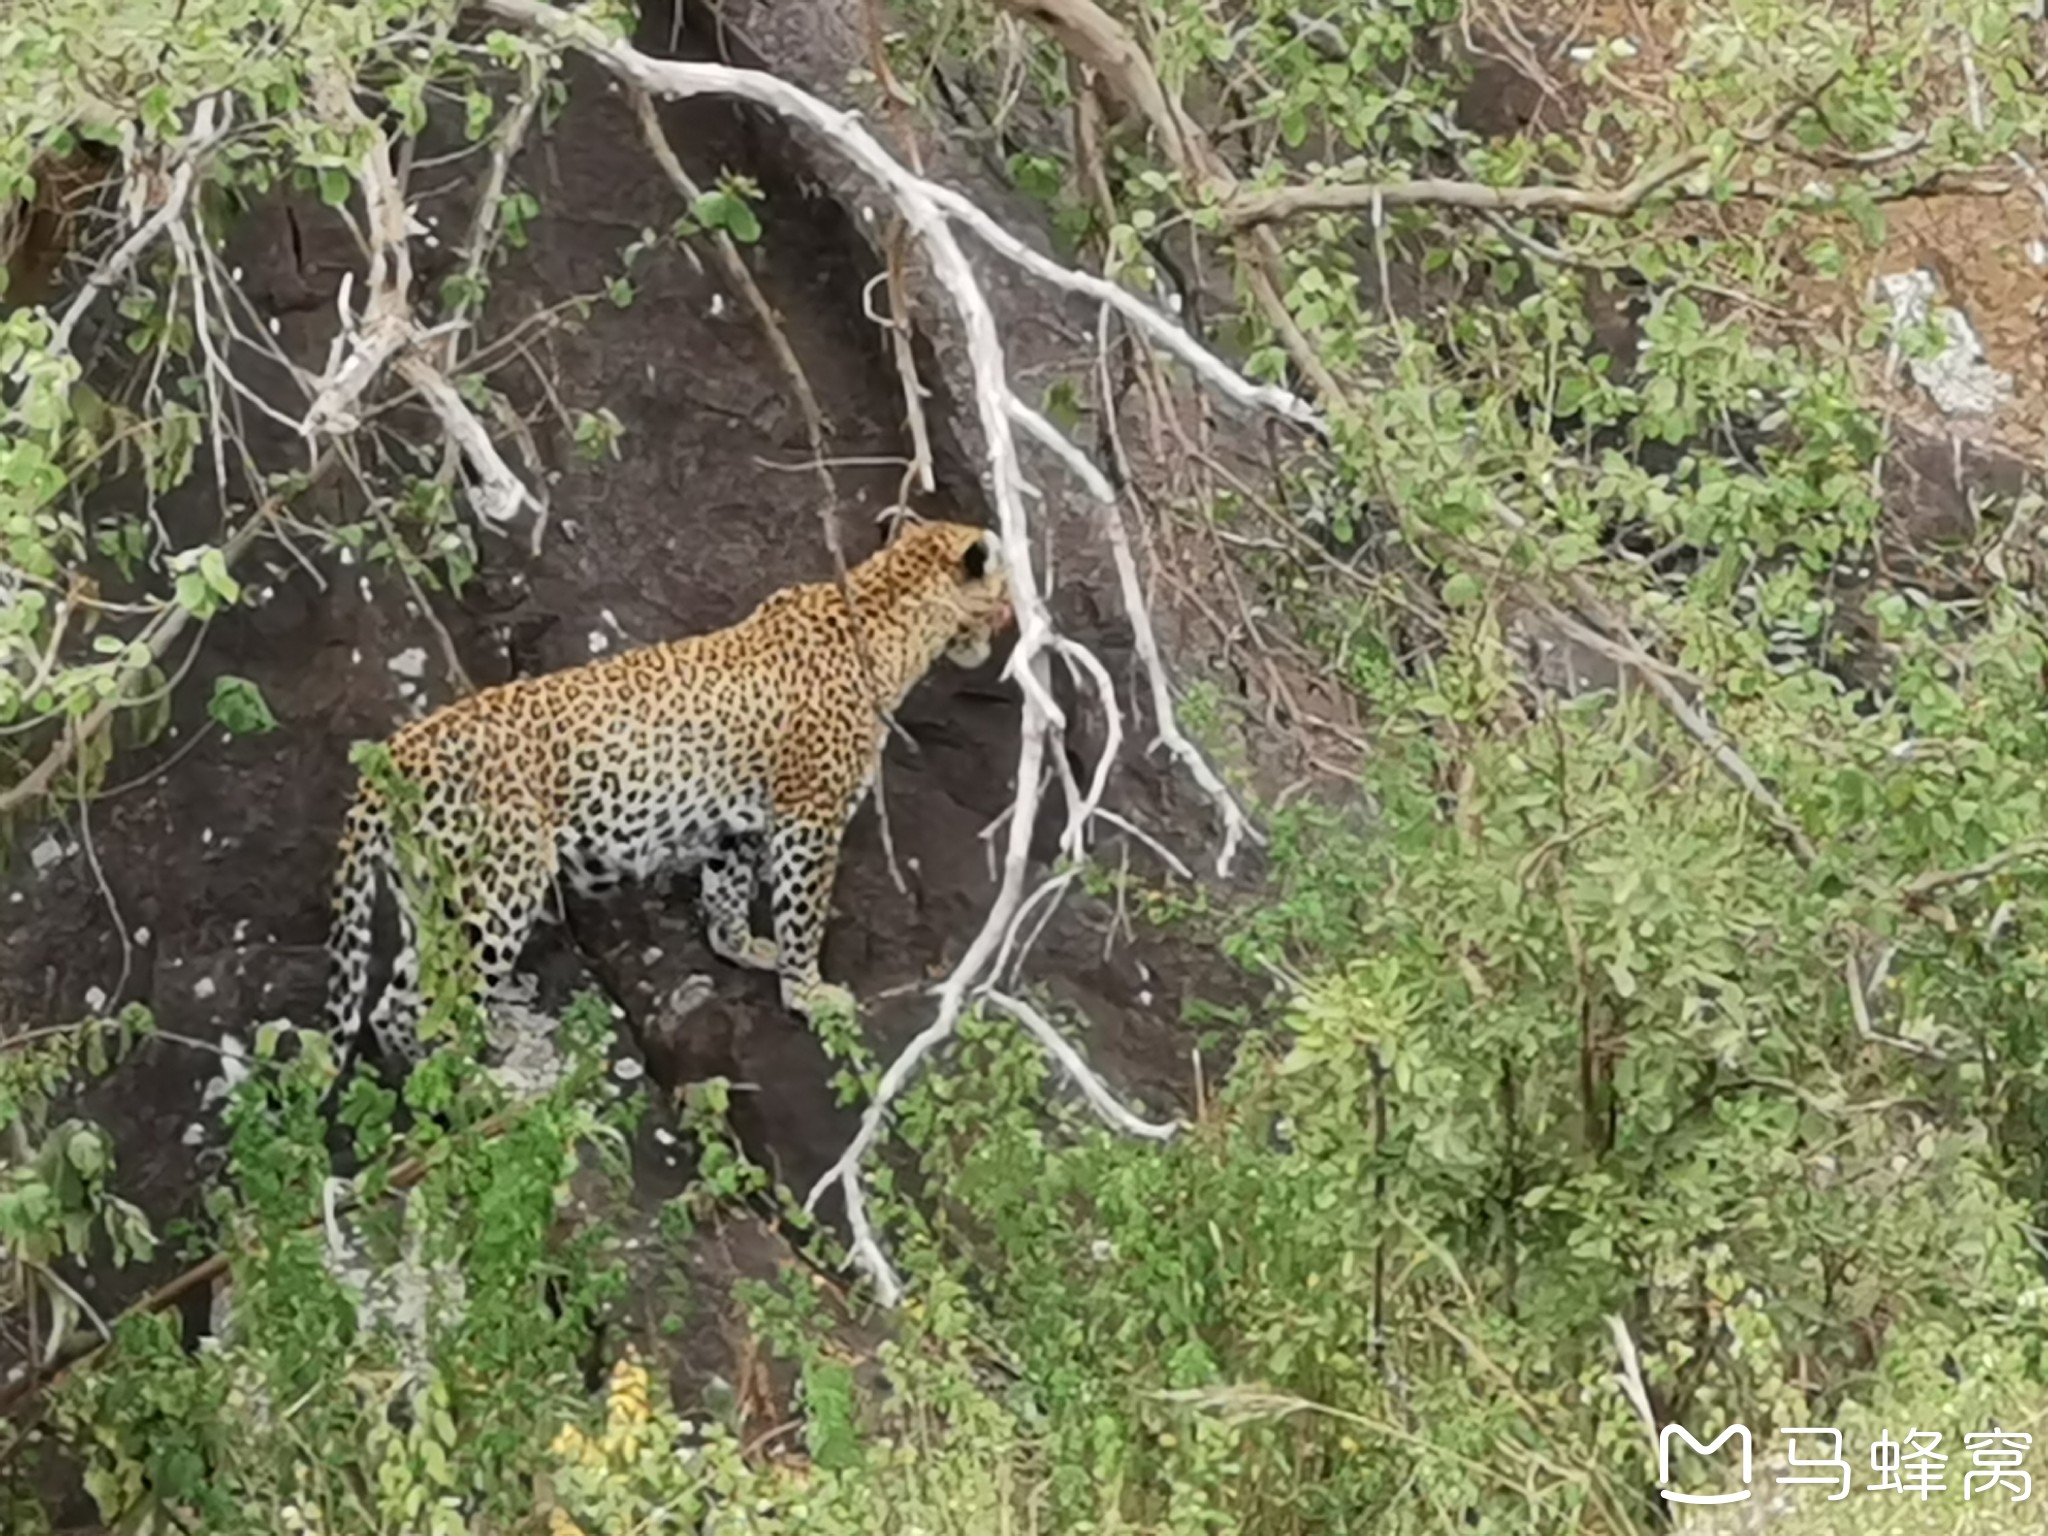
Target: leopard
x=740, y=753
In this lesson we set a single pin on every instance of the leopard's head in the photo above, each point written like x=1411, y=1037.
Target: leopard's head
x=961, y=587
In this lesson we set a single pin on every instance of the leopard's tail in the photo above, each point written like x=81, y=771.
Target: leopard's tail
x=363, y=892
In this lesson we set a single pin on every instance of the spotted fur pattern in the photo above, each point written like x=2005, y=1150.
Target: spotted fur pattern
x=739, y=753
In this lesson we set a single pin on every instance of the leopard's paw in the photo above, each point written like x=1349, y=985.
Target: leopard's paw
x=818, y=1000
x=758, y=954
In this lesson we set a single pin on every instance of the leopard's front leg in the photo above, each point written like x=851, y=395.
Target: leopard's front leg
x=803, y=862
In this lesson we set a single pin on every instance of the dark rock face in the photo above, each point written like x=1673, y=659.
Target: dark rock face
x=201, y=887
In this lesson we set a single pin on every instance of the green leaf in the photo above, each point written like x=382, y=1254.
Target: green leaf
x=239, y=705
x=1462, y=590
x=194, y=596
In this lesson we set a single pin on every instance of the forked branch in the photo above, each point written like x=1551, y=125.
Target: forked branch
x=388, y=332
x=929, y=213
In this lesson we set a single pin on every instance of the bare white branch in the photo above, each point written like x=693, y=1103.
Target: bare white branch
x=1146, y=320
x=927, y=212
x=211, y=119
x=500, y=493
x=1100, y=1099
x=390, y=336
x=1165, y=723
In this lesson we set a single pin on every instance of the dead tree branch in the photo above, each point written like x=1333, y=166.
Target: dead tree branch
x=1245, y=210
x=1102, y=43
x=929, y=213
x=388, y=332
x=1657, y=678
x=211, y=119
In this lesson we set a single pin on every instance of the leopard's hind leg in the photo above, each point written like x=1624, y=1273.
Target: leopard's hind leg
x=726, y=900
x=497, y=868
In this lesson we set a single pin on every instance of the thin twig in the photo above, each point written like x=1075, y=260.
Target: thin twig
x=1657, y=678
x=1092, y=1087
x=1248, y=209
x=483, y=219
x=1859, y=1007
x=206, y=133
x=1923, y=886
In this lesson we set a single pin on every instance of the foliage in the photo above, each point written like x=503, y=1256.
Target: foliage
x=321, y=1408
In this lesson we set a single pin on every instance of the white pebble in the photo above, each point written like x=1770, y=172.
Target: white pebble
x=95, y=998
x=204, y=988
x=627, y=1070
x=411, y=663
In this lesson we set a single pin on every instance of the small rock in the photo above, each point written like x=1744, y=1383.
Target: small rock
x=195, y=1133
x=204, y=988
x=46, y=854
x=96, y=999
x=1959, y=378
x=409, y=663
x=628, y=1069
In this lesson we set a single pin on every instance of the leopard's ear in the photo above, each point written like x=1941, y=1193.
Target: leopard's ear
x=982, y=556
